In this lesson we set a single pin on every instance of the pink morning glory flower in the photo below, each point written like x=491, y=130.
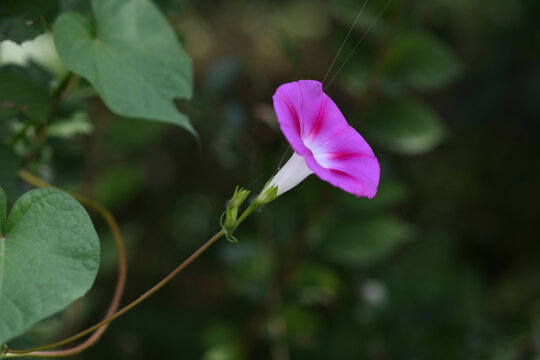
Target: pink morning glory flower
x=324, y=143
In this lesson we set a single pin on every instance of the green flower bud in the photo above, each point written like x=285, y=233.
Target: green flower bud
x=240, y=195
x=231, y=212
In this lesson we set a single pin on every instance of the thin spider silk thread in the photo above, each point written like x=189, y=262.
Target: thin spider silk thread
x=330, y=69
x=357, y=44
x=270, y=170
x=327, y=73
x=344, y=41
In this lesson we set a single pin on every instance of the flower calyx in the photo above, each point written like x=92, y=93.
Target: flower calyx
x=268, y=194
x=230, y=216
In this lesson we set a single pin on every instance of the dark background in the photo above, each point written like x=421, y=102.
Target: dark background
x=442, y=264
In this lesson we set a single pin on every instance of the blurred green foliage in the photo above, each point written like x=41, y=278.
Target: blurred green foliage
x=405, y=126
x=24, y=20
x=441, y=264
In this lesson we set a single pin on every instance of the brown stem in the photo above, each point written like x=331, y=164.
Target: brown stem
x=37, y=352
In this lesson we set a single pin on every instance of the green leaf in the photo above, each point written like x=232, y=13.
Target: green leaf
x=420, y=61
x=405, y=126
x=9, y=166
x=365, y=242
x=49, y=257
x=19, y=29
x=132, y=58
x=22, y=20
x=20, y=95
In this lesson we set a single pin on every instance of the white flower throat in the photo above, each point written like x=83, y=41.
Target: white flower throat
x=291, y=174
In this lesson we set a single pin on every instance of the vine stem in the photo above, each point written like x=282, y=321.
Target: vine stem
x=100, y=327
x=253, y=206
x=22, y=353
x=39, y=351
x=41, y=132
x=122, y=267
x=57, y=95
x=20, y=134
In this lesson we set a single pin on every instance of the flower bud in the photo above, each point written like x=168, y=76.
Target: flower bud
x=240, y=195
x=231, y=212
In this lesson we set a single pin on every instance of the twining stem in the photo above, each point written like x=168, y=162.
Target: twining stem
x=39, y=351
x=122, y=267
x=189, y=260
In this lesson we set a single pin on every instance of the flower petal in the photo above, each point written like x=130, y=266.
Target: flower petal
x=306, y=114
x=347, y=161
x=291, y=174
x=317, y=130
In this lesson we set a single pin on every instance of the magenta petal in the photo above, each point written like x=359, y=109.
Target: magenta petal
x=306, y=114
x=316, y=129
x=347, y=161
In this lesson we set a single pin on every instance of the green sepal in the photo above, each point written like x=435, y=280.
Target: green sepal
x=268, y=194
x=231, y=213
x=239, y=196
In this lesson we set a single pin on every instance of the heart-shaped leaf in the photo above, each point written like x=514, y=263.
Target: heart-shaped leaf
x=132, y=58
x=49, y=257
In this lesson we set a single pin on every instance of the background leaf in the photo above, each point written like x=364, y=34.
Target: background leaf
x=132, y=58
x=365, y=242
x=405, y=126
x=19, y=94
x=420, y=61
x=22, y=20
x=49, y=256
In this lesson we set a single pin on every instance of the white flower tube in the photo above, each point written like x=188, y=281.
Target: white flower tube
x=291, y=174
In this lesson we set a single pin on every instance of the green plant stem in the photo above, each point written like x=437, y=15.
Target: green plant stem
x=40, y=351
x=246, y=213
x=57, y=96
x=41, y=132
x=20, y=134
x=36, y=351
